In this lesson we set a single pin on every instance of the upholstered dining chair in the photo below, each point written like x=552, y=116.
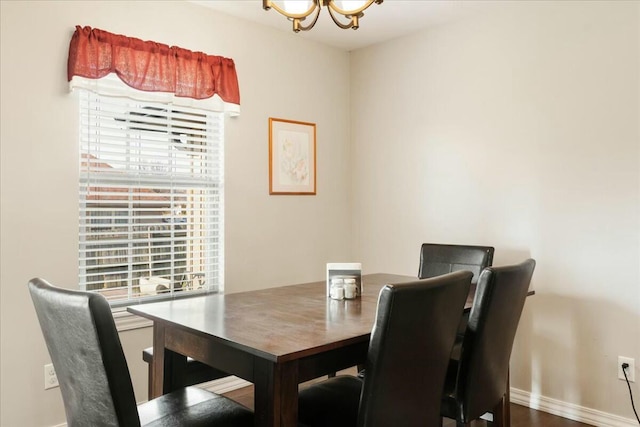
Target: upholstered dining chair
x=406, y=363
x=94, y=378
x=437, y=259
x=477, y=382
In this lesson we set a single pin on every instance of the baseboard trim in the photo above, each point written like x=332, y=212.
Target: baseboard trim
x=569, y=410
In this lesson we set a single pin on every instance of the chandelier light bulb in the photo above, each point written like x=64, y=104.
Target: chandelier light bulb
x=350, y=5
x=296, y=7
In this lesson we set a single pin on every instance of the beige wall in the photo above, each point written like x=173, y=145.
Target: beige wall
x=517, y=129
x=270, y=240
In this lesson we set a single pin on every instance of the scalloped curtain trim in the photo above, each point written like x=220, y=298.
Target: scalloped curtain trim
x=158, y=71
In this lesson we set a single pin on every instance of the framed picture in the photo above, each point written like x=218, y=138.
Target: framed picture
x=292, y=157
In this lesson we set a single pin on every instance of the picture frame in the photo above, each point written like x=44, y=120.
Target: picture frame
x=292, y=157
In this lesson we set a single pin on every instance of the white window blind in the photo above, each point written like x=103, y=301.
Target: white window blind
x=151, y=199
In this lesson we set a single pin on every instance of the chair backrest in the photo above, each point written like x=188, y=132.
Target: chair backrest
x=437, y=259
x=409, y=351
x=486, y=349
x=86, y=353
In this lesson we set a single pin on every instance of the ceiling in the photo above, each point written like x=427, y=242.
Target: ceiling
x=386, y=21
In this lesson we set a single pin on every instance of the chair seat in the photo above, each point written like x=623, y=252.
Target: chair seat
x=341, y=394
x=192, y=406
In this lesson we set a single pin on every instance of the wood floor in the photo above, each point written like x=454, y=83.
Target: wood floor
x=521, y=416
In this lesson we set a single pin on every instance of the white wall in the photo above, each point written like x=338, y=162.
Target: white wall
x=517, y=129
x=270, y=240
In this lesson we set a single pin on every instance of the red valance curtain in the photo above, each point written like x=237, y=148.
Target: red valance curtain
x=151, y=66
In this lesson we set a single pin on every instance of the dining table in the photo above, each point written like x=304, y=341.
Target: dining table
x=275, y=338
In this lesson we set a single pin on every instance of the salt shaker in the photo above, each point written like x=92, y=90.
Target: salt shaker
x=336, y=291
x=350, y=288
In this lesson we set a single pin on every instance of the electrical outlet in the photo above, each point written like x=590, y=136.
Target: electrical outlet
x=631, y=370
x=50, y=377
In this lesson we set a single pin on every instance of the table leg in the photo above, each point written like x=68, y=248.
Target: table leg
x=157, y=364
x=275, y=394
x=167, y=367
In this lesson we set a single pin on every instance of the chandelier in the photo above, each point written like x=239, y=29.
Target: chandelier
x=299, y=10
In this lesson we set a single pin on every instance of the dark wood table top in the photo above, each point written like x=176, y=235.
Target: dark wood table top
x=278, y=324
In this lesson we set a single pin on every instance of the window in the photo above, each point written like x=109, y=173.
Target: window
x=151, y=199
